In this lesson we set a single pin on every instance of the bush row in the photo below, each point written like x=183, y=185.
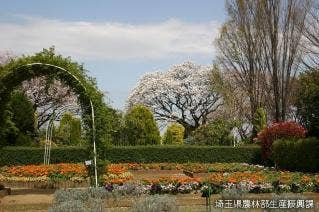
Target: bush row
x=138, y=154
x=297, y=155
x=34, y=155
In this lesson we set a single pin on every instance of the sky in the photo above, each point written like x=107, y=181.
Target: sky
x=117, y=40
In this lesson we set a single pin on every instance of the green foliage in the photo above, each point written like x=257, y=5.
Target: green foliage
x=117, y=133
x=19, y=123
x=140, y=127
x=259, y=121
x=308, y=101
x=183, y=154
x=69, y=130
x=32, y=155
x=174, y=134
x=137, y=154
x=297, y=155
x=217, y=132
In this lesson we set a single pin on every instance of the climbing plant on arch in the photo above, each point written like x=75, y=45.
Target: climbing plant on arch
x=47, y=63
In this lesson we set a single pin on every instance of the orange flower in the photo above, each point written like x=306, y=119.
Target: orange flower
x=305, y=179
x=45, y=170
x=118, y=180
x=116, y=169
x=232, y=180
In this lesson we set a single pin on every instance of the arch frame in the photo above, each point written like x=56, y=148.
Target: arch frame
x=55, y=67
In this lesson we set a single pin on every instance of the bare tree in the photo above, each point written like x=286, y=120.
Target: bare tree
x=48, y=97
x=311, y=34
x=240, y=52
x=261, y=45
x=5, y=57
x=236, y=101
x=281, y=36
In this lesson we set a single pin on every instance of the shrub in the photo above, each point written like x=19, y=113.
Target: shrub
x=174, y=134
x=74, y=206
x=259, y=121
x=217, y=132
x=155, y=203
x=297, y=155
x=90, y=199
x=308, y=101
x=279, y=130
x=140, y=127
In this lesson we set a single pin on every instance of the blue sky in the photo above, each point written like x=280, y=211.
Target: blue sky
x=118, y=41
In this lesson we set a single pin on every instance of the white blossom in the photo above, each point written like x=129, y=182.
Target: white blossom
x=183, y=94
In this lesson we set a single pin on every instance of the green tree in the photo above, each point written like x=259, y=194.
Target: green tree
x=20, y=121
x=69, y=131
x=259, y=121
x=217, y=132
x=174, y=134
x=140, y=127
x=308, y=101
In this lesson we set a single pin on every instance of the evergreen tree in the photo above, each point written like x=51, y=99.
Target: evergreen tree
x=174, y=134
x=140, y=127
x=19, y=121
x=259, y=121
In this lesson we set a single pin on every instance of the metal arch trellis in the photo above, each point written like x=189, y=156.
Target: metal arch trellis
x=91, y=105
x=49, y=131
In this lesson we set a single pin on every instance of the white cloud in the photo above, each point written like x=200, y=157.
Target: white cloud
x=110, y=40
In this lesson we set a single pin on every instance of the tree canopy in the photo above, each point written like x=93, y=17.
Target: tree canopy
x=140, y=127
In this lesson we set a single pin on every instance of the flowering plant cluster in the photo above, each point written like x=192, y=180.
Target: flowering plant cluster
x=249, y=181
x=67, y=169
x=163, y=185
x=117, y=174
x=44, y=173
x=278, y=130
x=172, y=185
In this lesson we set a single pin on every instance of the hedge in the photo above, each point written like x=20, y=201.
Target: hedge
x=32, y=155
x=183, y=154
x=297, y=155
x=137, y=154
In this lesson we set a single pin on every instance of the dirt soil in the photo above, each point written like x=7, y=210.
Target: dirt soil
x=155, y=174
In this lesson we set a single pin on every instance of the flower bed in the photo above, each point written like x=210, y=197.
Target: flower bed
x=116, y=174
x=45, y=176
x=217, y=177
x=250, y=178
x=250, y=182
